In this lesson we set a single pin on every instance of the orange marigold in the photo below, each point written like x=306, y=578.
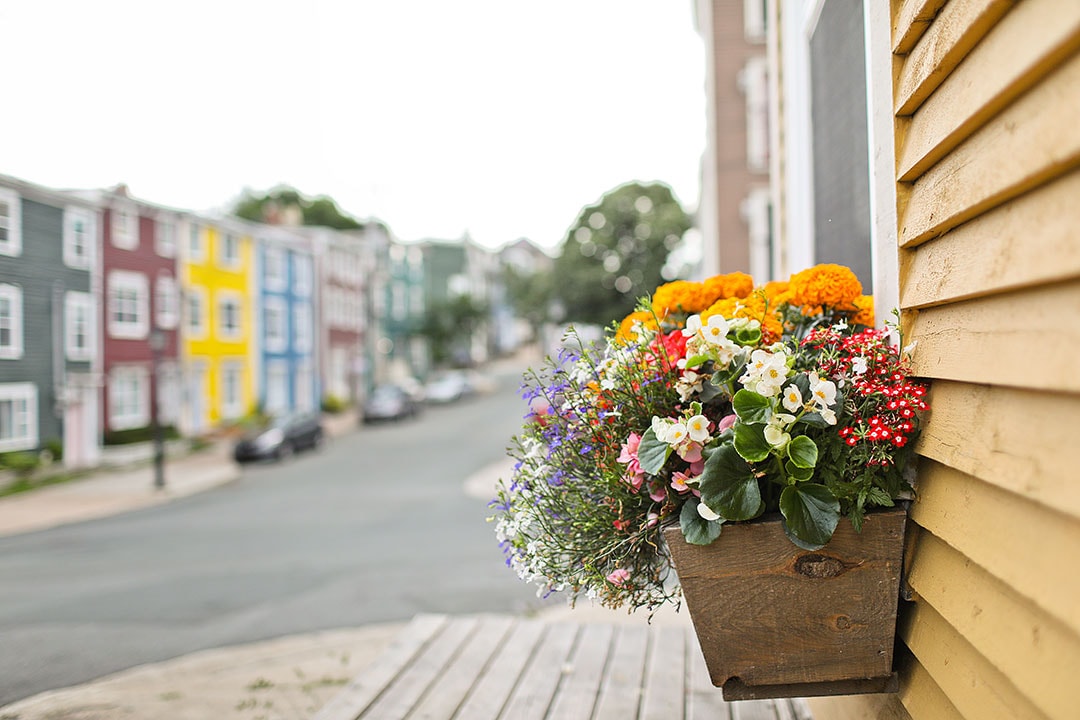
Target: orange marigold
x=626, y=332
x=731, y=285
x=752, y=308
x=679, y=296
x=833, y=286
x=774, y=289
x=865, y=315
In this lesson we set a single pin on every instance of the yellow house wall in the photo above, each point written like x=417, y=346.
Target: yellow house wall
x=988, y=184
x=208, y=274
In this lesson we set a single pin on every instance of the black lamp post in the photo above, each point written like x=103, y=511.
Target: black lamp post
x=157, y=345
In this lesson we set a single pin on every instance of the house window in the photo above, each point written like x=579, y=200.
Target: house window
x=305, y=391
x=229, y=250
x=165, y=237
x=125, y=232
x=18, y=416
x=196, y=312
x=274, y=269
x=129, y=316
x=755, y=85
x=11, y=322
x=167, y=302
x=302, y=275
x=754, y=21
x=196, y=246
x=10, y=223
x=229, y=316
x=302, y=327
x=274, y=324
x=79, y=345
x=232, y=405
x=277, y=386
x=129, y=397
x=78, y=238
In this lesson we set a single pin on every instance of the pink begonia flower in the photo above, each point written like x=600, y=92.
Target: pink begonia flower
x=689, y=451
x=678, y=481
x=697, y=467
x=618, y=577
x=629, y=457
x=652, y=519
x=726, y=422
x=656, y=490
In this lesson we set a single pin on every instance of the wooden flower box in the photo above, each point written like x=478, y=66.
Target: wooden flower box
x=774, y=620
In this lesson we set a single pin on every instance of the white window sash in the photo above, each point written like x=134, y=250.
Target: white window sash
x=12, y=222
x=78, y=248
x=79, y=309
x=24, y=416
x=13, y=350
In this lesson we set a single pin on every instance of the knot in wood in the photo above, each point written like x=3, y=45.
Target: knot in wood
x=816, y=565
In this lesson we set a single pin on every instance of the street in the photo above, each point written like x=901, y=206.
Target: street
x=375, y=527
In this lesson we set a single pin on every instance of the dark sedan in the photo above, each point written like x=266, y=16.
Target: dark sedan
x=389, y=402
x=280, y=438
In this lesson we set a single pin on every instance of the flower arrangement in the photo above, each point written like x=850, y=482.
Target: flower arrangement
x=714, y=402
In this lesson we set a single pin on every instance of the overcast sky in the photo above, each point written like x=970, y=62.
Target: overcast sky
x=499, y=117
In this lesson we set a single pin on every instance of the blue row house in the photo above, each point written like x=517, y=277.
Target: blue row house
x=50, y=357
x=288, y=374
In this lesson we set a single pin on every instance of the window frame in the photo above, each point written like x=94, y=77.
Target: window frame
x=196, y=243
x=220, y=299
x=303, y=331
x=73, y=259
x=235, y=409
x=303, y=275
x=124, y=241
x=227, y=260
x=12, y=246
x=74, y=302
x=279, y=342
x=138, y=329
x=196, y=293
x=139, y=415
x=27, y=393
x=14, y=295
x=278, y=281
x=165, y=236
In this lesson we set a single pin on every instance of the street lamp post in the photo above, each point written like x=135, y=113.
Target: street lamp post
x=157, y=345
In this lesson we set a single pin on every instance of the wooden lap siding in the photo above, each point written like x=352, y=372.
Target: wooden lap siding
x=988, y=184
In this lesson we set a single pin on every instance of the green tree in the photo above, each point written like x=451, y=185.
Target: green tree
x=530, y=294
x=276, y=207
x=614, y=252
x=449, y=328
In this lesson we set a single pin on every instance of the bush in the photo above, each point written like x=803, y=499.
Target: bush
x=23, y=463
x=333, y=404
x=55, y=447
x=140, y=434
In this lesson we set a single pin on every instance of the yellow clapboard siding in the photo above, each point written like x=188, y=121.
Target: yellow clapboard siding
x=988, y=433
x=858, y=707
x=996, y=340
x=957, y=29
x=1032, y=141
x=921, y=696
x=1030, y=241
x=1026, y=546
x=974, y=686
x=1026, y=45
x=1037, y=653
x=910, y=20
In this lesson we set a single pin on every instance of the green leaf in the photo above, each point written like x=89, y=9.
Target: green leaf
x=751, y=408
x=800, y=474
x=750, y=443
x=879, y=497
x=696, y=529
x=709, y=391
x=814, y=420
x=811, y=513
x=729, y=487
x=696, y=360
x=803, y=452
x=652, y=454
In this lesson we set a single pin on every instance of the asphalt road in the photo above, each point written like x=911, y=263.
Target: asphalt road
x=375, y=527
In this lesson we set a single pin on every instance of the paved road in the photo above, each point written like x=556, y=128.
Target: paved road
x=376, y=527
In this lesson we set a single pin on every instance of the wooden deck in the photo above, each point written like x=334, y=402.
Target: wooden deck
x=490, y=667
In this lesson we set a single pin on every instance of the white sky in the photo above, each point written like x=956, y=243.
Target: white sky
x=500, y=117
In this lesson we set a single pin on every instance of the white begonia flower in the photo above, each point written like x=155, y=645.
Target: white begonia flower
x=775, y=436
x=823, y=391
x=792, y=398
x=858, y=365
x=715, y=333
x=827, y=415
x=676, y=433
x=759, y=360
x=693, y=325
x=707, y=512
x=698, y=428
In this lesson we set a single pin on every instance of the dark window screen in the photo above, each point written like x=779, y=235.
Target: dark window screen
x=840, y=152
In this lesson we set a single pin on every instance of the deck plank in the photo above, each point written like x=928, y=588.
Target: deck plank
x=493, y=687
x=451, y=687
x=577, y=695
x=704, y=701
x=620, y=691
x=665, y=676
x=536, y=690
x=355, y=697
x=409, y=687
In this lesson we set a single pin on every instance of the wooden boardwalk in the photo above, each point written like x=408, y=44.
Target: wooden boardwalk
x=492, y=667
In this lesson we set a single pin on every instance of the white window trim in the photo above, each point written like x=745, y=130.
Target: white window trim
x=226, y=262
x=141, y=284
x=196, y=256
x=140, y=416
x=13, y=246
x=166, y=318
x=281, y=259
x=276, y=344
x=200, y=332
x=13, y=293
x=220, y=298
x=754, y=81
x=754, y=30
x=231, y=411
x=22, y=391
x=124, y=243
x=303, y=271
x=73, y=213
x=165, y=249
x=73, y=303
x=303, y=329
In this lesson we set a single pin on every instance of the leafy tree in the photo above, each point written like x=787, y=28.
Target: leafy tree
x=530, y=294
x=614, y=253
x=276, y=206
x=449, y=327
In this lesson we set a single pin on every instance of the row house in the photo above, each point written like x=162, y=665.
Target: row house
x=49, y=298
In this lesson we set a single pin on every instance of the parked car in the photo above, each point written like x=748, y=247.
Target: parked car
x=389, y=402
x=449, y=387
x=280, y=437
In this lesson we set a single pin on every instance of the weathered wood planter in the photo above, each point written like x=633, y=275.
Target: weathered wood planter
x=777, y=621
